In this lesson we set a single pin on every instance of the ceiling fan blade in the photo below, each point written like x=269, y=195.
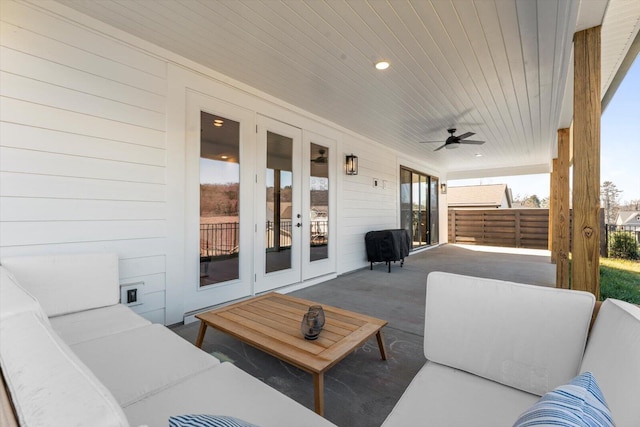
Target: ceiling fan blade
x=466, y=135
x=429, y=142
x=471, y=141
x=441, y=147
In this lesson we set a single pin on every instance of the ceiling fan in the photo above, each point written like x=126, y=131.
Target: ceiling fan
x=455, y=141
x=321, y=158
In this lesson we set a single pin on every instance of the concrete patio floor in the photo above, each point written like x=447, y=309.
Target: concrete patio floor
x=362, y=389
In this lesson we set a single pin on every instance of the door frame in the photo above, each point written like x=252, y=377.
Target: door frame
x=268, y=281
x=325, y=266
x=197, y=297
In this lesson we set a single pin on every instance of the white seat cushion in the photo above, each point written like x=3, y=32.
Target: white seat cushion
x=86, y=325
x=49, y=385
x=440, y=396
x=14, y=299
x=524, y=336
x=224, y=390
x=613, y=356
x=68, y=283
x=140, y=361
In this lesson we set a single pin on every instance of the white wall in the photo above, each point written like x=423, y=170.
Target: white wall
x=85, y=128
x=82, y=147
x=364, y=207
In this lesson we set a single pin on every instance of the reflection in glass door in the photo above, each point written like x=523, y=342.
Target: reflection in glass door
x=294, y=226
x=218, y=196
x=319, y=203
x=279, y=224
x=433, y=191
x=419, y=207
x=279, y=180
x=219, y=199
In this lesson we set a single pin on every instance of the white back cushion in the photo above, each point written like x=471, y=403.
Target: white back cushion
x=68, y=283
x=528, y=337
x=14, y=299
x=613, y=357
x=49, y=385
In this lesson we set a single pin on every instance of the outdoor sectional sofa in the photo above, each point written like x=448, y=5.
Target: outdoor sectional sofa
x=71, y=355
x=493, y=348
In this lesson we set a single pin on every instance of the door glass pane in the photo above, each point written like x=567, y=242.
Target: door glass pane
x=219, y=199
x=319, y=205
x=419, y=207
x=278, y=203
x=415, y=207
x=424, y=216
x=433, y=191
x=405, y=201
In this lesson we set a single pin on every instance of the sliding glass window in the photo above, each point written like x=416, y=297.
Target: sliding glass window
x=419, y=207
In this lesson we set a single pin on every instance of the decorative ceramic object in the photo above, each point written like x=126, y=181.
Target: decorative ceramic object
x=312, y=322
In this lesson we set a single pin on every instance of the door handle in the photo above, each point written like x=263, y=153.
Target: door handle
x=298, y=225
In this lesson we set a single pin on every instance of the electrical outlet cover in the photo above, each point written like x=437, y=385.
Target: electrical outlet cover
x=131, y=292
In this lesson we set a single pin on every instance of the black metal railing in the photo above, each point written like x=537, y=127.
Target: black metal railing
x=285, y=234
x=622, y=241
x=219, y=239
x=223, y=239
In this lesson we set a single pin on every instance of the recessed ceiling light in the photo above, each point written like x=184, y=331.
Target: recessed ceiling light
x=223, y=157
x=478, y=155
x=217, y=125
x=382, y=65
x=218, y=121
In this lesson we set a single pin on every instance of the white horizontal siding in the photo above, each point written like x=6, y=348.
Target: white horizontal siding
x=364, y=207
x=124, y=248
x=58, y=30
x=62, y=75
x=150, y=271
x=45, y=186
x=38, y=92
x=18, y=209
x=82, y=147
x=48, y=140
x=38, y=162
x=30, y=114
x=20, y=233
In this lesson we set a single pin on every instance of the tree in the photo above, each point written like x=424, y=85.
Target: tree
x=610, y=195
x=633, y=205
x=623, y=245
x=527, y=201
x=544, y=203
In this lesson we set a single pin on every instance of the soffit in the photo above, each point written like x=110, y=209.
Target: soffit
x=496, y=68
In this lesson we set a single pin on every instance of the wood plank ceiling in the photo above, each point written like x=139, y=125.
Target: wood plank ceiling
x=497, y=68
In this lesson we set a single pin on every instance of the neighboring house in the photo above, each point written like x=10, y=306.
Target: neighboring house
x=628, y=220
x=497, y=196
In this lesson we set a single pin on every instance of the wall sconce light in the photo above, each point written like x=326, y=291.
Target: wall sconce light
x=352, y=165
x=443, y=188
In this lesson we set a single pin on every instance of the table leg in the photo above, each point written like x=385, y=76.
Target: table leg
x=203, y=329
x=318, y=393
x=383, y=352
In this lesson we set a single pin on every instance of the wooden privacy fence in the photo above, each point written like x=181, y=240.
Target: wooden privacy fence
x=514, y=228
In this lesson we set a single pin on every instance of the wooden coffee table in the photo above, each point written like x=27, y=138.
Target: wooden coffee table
x=271, y=323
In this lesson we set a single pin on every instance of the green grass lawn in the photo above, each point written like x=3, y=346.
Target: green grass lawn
x=620, y=279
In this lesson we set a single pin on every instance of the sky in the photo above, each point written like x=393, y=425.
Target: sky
x=619, y=152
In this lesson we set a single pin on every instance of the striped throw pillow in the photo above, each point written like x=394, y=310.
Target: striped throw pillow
x=577, y=404
x=207, y=421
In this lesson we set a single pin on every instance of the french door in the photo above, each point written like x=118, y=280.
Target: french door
x=218, y=201
x=295, y=218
